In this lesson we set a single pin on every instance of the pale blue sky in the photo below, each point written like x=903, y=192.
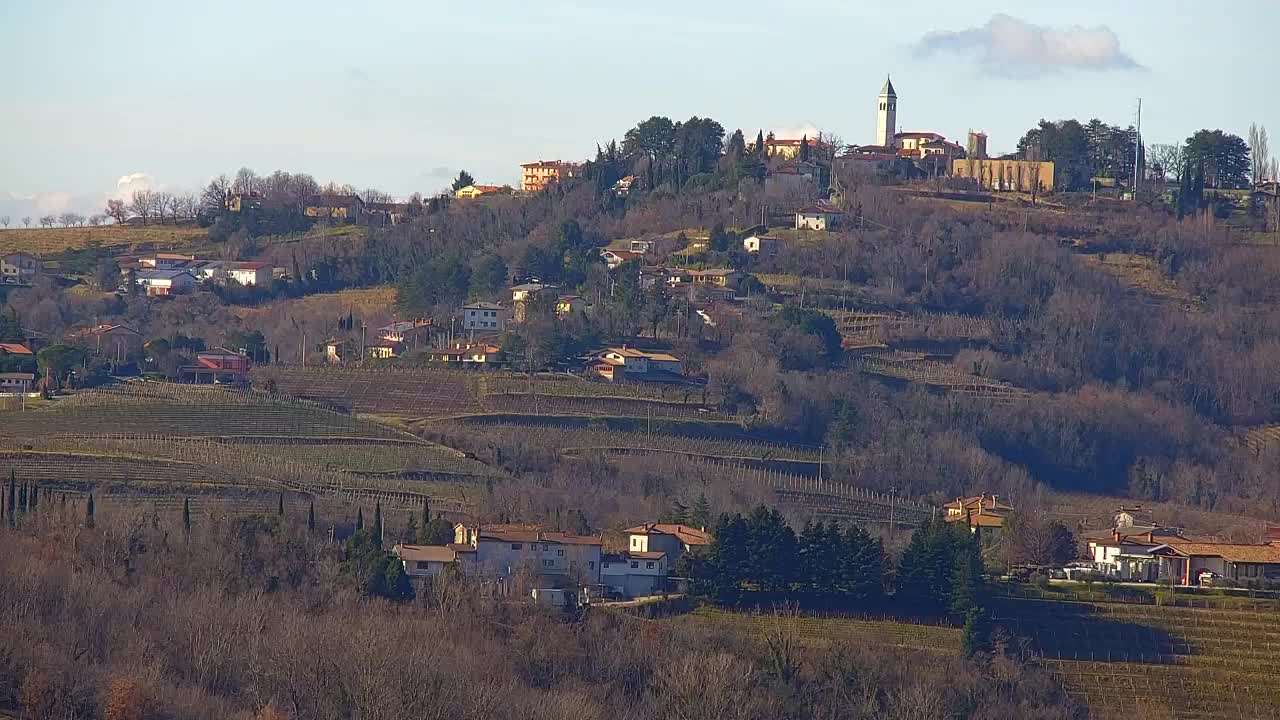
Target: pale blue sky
x=399, y=95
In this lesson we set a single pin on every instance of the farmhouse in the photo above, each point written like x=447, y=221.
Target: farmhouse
x=634, y=574
x=468, y=353
x=567, y=305
x=672, y=539
x=118, y=339
x=614, y=258
x=818, y=217
x=429, y=561
x=383, y=349
x=166, y=261
x=18, y=268
x=503, y=551
x=657, y=245
x=524, y=294
x=16, y=349
x=1196, y=563
x=984, y=512
x=471, y=192
x=485, y=317
x=762, y=245
x=787, y=149
x=622, y=188
x=166, y=282
x=344, y=208
x=628, y=364
x=1124, y=552
x=408, y=332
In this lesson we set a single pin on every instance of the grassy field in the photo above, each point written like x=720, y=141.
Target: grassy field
x=361, y=301
x=1142, y=274
x=819, y=631
x=47, y=241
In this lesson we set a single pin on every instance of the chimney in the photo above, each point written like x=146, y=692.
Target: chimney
x=995, y=500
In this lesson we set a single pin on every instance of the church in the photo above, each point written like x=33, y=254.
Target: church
x=932, y=148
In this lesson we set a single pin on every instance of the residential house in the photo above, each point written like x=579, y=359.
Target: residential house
x=505, y=551
x=622, y=188
x=218, y=365
x=615, y=258
x=1124, y=552
x=166, y=282
x=422, y=562
x=249, y=273
x=524, y=294
x=336, y=350
x=381, y=349
x=471, y=192
x=16, y=351
x=390, y=213
x=485, y=317
x=19, y=268
x=798, y=180
x=635, y=574
x=672, y=539
x=468, y=353
x=911, y=144
x=1006, y=175
x=818, y=217
x=339, y=207
x=536, y=176
x=409, y=332
x=16, y=382
x=984, y=514
x=762, y=245
x=1203, y=563
x=567, y=305
x=165, y=261
x=624, y=364
x=657, y=245
x=725, y=278
x=787, y=149
x=117, y=340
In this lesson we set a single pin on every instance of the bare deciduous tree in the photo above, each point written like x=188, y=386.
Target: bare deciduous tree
x=95, y=220
x=48, y=221
x=142, y=205
x=26, y=221
x=4, y=220
x=1170, y=159
x=1259, y=153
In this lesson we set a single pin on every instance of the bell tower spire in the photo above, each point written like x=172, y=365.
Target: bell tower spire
x=887, y=117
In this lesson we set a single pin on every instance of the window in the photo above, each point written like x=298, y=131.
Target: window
x=534, y=547
x=422, y=564
x=592, y=564
x=635, y=564
x=560, y=552
x=648, y=566
x=548, y=563
x=515, y=546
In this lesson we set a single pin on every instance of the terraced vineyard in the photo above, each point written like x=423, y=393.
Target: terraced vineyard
x=819, y=631
x=1164, y=662
x=377, y=458
x=191, y=411
x=938, y=375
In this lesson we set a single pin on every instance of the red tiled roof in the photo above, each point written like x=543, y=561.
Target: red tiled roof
x=687, y=535
x=15, y=348
x=1231, y=552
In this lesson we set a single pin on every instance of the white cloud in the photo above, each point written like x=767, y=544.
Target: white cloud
x=131, y=182
x=1007, y=45
x=18, y=205
x=794, y=132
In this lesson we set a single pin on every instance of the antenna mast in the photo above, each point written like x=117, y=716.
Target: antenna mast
x=1137, y=151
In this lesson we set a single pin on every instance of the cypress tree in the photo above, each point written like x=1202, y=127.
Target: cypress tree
x=377, y=524
x=88, y=515
x=35, y=496
x=311, y=516
x=22, y=497
x=13, y=505
x=426, y=511
x=186, y=514
x=280, y=506
x=759, y=148
x=359, y=519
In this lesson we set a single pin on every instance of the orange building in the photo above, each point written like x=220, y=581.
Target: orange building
x=537, y=176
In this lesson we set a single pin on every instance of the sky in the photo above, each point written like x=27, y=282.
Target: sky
x=97, y=99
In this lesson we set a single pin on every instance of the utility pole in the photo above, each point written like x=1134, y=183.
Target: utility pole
x=364, y=332
x=1137, y=151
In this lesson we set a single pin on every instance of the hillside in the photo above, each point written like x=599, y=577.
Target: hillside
x=49, y=241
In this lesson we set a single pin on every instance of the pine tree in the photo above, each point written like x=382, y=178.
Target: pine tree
x=88, y=517
x=359, y=519
x=311, y=516
x=186, y=514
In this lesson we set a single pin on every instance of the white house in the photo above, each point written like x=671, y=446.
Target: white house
x=763, y=245
x=635, y=574
x=615, y=258
x=817, y=218
x=485, y=317
x=1124, y=552
x=18, y=268
x=1194, y=563
x=166, y=282
x=671, y=539
x=624, y=363
x=503, y=551
x=249, y=273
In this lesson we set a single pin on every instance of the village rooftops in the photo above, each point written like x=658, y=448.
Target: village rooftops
x=687, y=535
x=1231, y=552
x=538, y=536
x=627, y=352
x=483, y=306
x=427, y=553
x=15, y=349
x=985, y=503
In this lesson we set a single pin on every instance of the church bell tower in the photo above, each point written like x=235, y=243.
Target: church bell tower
x=887, y=117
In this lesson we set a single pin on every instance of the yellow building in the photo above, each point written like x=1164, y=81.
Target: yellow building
x=345, y=208
x=787, y=149
x=471, y=192
x=1006, y=175
x=537, y=176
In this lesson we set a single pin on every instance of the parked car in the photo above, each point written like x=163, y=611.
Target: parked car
x=1209, y=578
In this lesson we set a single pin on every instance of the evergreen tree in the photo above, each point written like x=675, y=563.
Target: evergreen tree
x=22, y=498
x=426, y=511
x=410, y=534
x=359, y=519
x=396, y=581
x=186, y=514
x=772, y=547
x=862, y=567
x=88, y=515
x=759, y=150
x=35, y=496
x=311, y=516
x=13, y=497
x=700, y=512
x=280, y=505
x=377, y=524
x=804, y=148
x=976, y=635
x=719, y=574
